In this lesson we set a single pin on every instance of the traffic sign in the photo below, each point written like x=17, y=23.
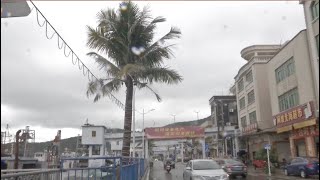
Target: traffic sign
x=267, y=146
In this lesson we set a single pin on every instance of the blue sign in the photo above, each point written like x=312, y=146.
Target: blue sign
x=267, y=146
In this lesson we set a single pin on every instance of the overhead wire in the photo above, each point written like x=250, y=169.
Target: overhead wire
x=74, y=57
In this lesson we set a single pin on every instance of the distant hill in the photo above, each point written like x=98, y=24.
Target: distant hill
x=189, y=123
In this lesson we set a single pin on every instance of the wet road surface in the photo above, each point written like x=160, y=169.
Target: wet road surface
x=158, y=173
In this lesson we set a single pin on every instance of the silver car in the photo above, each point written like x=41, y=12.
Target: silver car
x=204, y=169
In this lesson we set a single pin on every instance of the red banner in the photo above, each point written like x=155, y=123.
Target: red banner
x=295, y=115
x=251, y=128
x=174, y=132
x=305, y=132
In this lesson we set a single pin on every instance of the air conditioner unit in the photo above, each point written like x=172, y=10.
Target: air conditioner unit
x=231, y=110
x=228, y=124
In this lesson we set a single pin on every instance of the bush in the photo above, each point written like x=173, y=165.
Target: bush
x=262, y=155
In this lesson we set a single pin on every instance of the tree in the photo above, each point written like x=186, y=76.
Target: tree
x=126, y=50
x=151, y=144
x=262, y=155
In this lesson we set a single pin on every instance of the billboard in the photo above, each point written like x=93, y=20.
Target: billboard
x=174, y=132
x=295, y=118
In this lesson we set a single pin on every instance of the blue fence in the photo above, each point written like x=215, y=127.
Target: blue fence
x=106, y=168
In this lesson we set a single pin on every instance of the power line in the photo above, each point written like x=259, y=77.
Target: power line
x=74, y=57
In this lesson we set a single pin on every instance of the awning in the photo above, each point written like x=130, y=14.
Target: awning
x=304, y=124
x=284, y=129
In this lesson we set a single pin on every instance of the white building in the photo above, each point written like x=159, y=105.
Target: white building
x=94, y=138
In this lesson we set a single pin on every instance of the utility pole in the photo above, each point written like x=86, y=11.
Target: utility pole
x=143, y=134
x=133, y=123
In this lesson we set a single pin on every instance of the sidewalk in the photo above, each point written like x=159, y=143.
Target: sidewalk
x=278, y=174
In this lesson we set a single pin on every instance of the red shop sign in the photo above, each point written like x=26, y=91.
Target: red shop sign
x=306, y=131
x=174, y=132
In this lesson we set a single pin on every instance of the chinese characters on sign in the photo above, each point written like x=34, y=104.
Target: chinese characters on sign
x=250, y=128
x=294, y=115
x=306, y=131
x=174, y=132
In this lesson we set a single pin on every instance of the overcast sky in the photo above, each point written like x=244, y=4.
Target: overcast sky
x=41, y=88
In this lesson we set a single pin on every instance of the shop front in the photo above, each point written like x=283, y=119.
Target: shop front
x=301, y=124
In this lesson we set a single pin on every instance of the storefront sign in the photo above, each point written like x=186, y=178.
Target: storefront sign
x=250, y=128
x=298, y=114
x=305, y=132
x=174, y=132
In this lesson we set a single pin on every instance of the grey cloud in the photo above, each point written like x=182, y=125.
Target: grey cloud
x=45, y=89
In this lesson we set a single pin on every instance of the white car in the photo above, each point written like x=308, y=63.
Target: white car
x=204, y=169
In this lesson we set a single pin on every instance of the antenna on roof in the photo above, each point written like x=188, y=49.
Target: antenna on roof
x=87, y=122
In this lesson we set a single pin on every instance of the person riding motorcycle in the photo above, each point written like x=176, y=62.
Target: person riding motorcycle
x=168, y=163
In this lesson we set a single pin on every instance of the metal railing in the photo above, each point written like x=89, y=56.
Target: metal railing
x=116, y=168
x=46, y=174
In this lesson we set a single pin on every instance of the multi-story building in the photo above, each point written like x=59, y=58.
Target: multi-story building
x=253, y=98
x=224, y=114
x=293, y=97
x=311, y=13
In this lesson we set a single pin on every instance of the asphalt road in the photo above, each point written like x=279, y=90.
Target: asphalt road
x=158, y=173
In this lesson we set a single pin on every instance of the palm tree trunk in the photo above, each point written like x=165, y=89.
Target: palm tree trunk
x=127, y=119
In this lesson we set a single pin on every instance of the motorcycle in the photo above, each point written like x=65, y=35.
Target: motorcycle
x=168, y=168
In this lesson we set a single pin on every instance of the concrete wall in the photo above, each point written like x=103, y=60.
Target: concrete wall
x=262, y=96
x=87, y=138
x=302, y=78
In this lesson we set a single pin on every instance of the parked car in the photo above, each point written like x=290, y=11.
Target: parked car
x=3, y=165
x=204, y=169
x=233, y=167
x=302, y=166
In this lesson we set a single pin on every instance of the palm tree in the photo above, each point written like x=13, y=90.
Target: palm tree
x=126, y=50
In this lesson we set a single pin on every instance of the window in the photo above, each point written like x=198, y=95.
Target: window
x=285, y=70
x=94, y=133
x=95, y=150
x=249, y=77
x=251, y=98
x=243, y=121
x=118, y=143
x=315, y=10
x=242, y=103
x=288, y=100
x=253, y=117
x=240, y=85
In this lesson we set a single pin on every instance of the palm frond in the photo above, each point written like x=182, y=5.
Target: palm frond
x=141, y=85
x=111, y=69
x=155, y=57
x=112, y=86
x=159, y=74
x=112, y=46
x=130, y=70
x=173, y=33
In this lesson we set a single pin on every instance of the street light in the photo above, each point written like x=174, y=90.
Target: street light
x=219, y=120
x=143, y=113
x=174, y=118
x=197, y=114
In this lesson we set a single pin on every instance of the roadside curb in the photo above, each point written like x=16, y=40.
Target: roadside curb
x=278, y=176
